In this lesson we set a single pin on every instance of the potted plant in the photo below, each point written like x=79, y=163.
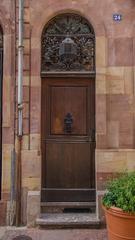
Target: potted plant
x=119, y=206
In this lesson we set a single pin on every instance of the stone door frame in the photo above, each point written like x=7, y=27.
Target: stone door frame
x=100, y=81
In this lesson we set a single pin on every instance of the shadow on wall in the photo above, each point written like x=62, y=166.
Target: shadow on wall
x=22, y=237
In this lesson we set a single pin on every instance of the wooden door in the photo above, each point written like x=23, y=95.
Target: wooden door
x=68, y=141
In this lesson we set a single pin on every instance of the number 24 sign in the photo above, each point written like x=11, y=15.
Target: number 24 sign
x=117, y=17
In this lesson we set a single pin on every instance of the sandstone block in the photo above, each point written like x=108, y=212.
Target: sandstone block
x=26, y=62
x=111, y=161
x=118, y=48
x=6, y=166
x=31, y=183
x=25, y=142
x=26, y=15
x=6, y=101
x=35, y=141
x=26, y=126
x=113, y=134
x=101, y=84
x=33, y=207
x=101, y=141
x=31, y=164
x=101, y=51
x=129, y=80
x=26, y=110
x=115, y=86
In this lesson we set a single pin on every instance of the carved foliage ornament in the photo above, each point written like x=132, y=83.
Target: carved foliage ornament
x=68, y=44
x=1, y=38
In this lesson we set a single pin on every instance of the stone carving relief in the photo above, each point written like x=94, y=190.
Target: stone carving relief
x=68, y=44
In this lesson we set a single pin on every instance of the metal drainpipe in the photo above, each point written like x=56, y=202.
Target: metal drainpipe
x=20, y=69
x=20, y=115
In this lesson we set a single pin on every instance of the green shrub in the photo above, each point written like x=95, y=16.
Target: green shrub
x=121, y=193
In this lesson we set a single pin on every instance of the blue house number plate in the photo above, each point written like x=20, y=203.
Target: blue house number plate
x=117, y=17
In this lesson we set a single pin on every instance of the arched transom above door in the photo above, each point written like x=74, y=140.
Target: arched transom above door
x=68, y=44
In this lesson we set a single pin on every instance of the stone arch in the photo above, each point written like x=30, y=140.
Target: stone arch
x=36, y=31
x=89, y=19
x=99, y=27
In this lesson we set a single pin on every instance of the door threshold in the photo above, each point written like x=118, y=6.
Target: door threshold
x=68, y=204
x=68, y=220
x=68, y=207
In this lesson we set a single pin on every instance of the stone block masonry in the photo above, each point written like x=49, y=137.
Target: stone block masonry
x=115, y=93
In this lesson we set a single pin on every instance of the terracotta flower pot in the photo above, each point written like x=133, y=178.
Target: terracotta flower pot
x=120, y=225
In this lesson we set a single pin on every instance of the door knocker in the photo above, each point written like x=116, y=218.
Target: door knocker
x=68, y=122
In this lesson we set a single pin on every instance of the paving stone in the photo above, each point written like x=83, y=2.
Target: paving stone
x=76, y=234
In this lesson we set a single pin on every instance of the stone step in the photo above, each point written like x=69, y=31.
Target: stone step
x=68, y=220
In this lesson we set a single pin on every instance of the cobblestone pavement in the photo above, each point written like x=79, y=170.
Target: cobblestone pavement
x=70, y=234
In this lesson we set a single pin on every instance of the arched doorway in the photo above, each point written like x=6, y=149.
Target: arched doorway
x=1, y=78
x=68, y=110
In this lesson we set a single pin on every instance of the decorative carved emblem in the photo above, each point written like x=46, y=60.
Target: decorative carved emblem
x=68, y=44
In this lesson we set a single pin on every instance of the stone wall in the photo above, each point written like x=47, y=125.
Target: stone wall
x=7, y=21
x=115, y=81
x=114, y=78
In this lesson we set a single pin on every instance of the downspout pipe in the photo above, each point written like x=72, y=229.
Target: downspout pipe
x=20, y=117
x=20, y=69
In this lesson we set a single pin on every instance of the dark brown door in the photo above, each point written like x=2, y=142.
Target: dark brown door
x=68, y=141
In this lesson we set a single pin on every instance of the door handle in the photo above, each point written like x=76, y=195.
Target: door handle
x=68, y=122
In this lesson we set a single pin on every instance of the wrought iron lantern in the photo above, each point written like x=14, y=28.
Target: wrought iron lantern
x=68, y=49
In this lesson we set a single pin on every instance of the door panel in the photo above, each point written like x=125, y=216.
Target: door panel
x=68, y=195
x=68, y=149
x=68, y=165
x=64, y=100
